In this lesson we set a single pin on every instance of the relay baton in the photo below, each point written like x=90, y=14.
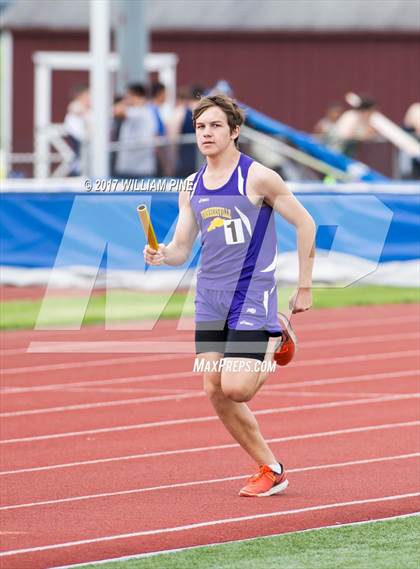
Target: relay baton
x=147, y=226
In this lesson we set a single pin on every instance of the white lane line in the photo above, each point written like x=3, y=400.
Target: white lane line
x=140, y=347
x=353, y=359
x=86, y=335
x=338, y=432
x=317, y=394
x=273, y=386
x=375, y=322
x=165, y=325
x=102, y=404
x=93, y=363
x=363, y=322
x=223, y=521
x=117, y=390
x=104, y=346
x=187, y=349
x=204, y=419
x=358, y=339
x=118, y=381
x=178, y=397
x=70, y=346
x=113, y=390
x=163, y=376
x=272, y=390
x=247, y=540
x=347, y=379
x=201, y=482
x=31, y=336
x=341, y=321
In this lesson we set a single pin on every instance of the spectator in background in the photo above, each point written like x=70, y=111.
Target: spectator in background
x=410, y=167
x=182, y=123
x=115, y=133
x=136, y=157
x=325, y=127
x=354, y=126
x=158, y=98
x=412, y=119
x=77, y=124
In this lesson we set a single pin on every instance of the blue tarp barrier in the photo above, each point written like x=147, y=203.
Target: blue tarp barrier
x=34, y=227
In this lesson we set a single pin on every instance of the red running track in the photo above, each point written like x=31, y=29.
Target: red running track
x=109, y=455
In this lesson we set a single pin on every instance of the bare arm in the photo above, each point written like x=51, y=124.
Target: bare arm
x=174, y=126
x=269, y=185
x=179, y=249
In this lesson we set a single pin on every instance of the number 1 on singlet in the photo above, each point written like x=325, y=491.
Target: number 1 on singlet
x=234, y=232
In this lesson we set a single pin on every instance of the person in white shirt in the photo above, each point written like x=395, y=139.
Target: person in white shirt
x=410, y=167
x=77, y=124
x=137, y=156
x=354, y=126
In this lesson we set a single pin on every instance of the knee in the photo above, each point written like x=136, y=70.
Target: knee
x=238, y=393
x=212, y=386
x=239, y=387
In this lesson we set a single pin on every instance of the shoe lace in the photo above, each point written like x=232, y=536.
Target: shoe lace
x=263, y=471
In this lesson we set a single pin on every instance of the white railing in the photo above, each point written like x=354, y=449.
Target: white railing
x=271, y=151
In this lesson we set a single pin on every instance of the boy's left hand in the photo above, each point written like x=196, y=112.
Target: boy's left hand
x=301, y=300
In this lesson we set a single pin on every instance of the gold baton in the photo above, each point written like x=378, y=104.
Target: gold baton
x=147, y=226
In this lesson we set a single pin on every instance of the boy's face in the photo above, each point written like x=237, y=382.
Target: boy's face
x=213, y=132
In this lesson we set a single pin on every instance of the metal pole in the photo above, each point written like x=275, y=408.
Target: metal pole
x=6, y=100
x=42, y=119
x=132, y=43
x=99, y=38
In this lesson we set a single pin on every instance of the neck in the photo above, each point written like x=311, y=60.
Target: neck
x=224, y=160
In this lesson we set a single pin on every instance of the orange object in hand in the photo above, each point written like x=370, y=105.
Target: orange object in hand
x=287, y=347
x=147, y=226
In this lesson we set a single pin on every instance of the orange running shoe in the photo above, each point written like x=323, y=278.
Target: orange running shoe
x=287, y=347
x=265, y=483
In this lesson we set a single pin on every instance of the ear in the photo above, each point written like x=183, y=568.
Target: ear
x=235, y=133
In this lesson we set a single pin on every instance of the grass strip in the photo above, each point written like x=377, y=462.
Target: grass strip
x=390, y=544
x=121, y=306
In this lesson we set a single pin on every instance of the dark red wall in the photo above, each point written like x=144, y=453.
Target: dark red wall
x=290, y=76
x=25, y=44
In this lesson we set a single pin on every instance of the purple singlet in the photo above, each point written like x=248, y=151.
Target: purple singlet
x=238, y=256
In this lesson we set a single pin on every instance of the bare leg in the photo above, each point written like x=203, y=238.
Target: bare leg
x=237, y=418
x=242, y=385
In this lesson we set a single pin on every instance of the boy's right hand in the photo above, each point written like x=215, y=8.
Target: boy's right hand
x=153, y=257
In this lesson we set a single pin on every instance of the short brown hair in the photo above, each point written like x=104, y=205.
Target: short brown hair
x=234, y=114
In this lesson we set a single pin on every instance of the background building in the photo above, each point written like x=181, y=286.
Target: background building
x=287, y=58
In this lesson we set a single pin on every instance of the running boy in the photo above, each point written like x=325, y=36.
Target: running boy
x=231, y=203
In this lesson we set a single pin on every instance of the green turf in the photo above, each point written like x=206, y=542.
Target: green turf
x=391, y=544
x=364, y=296
x=128, y=305
x=119, y=306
